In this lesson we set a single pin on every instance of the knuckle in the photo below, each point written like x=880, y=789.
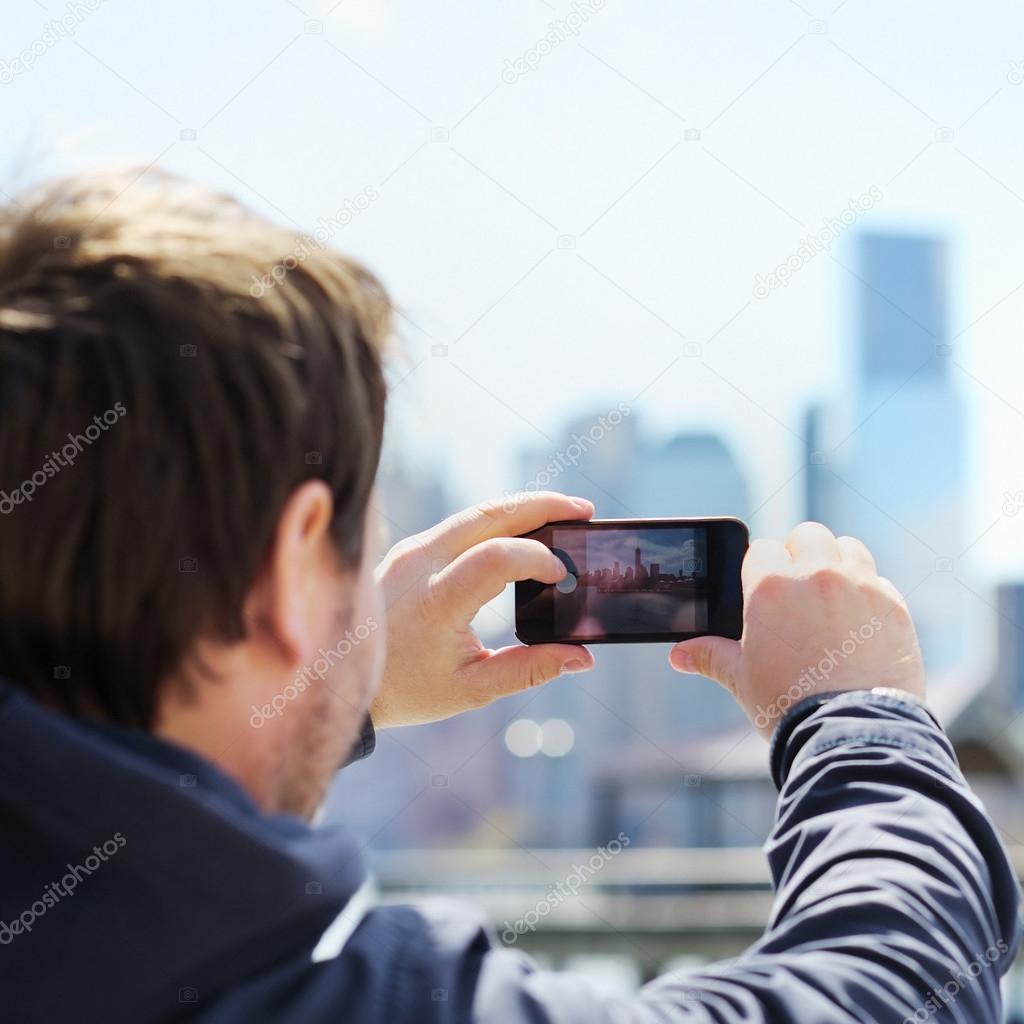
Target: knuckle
x=491, y=511
x=537, y=674
x=704, y=662
x=457, y=521
x=407, y=553
x=489, y=556
x=514, y=501
x=828, y=580
x=769, y=588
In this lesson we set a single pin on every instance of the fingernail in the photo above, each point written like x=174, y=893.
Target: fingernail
x=681, y=660
x=587, y=506
x=575, y=665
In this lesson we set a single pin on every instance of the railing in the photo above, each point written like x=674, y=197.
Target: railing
x=649, y=906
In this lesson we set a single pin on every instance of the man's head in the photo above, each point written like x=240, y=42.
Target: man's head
x=186, y=462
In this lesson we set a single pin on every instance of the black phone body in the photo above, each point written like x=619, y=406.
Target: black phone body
x=637, y=581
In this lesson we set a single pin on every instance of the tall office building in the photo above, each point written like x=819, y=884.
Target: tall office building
x=903, y=309
x=894, y=473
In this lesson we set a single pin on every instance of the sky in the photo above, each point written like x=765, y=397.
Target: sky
x=572, y=203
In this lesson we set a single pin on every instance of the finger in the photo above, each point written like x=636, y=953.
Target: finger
x=480, y=574
x=764, y=558
x=855, y=553
x=509, y=517
x=711, y=656
x=512, y=669
x=813, y=544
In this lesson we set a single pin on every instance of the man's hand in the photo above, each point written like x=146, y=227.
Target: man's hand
x=817, y=618
x=434, y=584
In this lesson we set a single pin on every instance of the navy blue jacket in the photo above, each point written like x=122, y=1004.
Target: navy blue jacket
x=138, y=884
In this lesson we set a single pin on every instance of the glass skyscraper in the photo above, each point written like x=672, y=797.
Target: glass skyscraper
x=894, y=473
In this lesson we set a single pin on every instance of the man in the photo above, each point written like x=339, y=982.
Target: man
x=186, y=518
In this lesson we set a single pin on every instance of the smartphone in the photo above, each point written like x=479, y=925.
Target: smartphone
x=637, y=581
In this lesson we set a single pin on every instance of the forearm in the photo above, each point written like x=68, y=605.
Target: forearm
x=894, y=895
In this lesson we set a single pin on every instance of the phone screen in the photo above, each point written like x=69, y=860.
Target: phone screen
x=636, y=580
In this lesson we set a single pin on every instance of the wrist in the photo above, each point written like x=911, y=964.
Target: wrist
x=880, y=695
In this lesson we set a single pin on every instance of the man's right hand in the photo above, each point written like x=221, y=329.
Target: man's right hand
x=817, y=618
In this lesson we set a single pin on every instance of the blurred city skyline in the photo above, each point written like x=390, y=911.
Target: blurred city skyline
x=884, y=459
x=576, y=206
x=649, y=218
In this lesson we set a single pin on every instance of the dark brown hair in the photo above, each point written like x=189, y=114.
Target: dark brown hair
x=171, y=368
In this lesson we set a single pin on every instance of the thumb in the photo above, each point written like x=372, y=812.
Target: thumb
x=512, y=669
x=711, y=656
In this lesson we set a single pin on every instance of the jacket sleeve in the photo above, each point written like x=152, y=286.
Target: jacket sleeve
x=895, y=900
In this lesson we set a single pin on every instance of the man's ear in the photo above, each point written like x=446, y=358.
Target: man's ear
x=284, y=601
